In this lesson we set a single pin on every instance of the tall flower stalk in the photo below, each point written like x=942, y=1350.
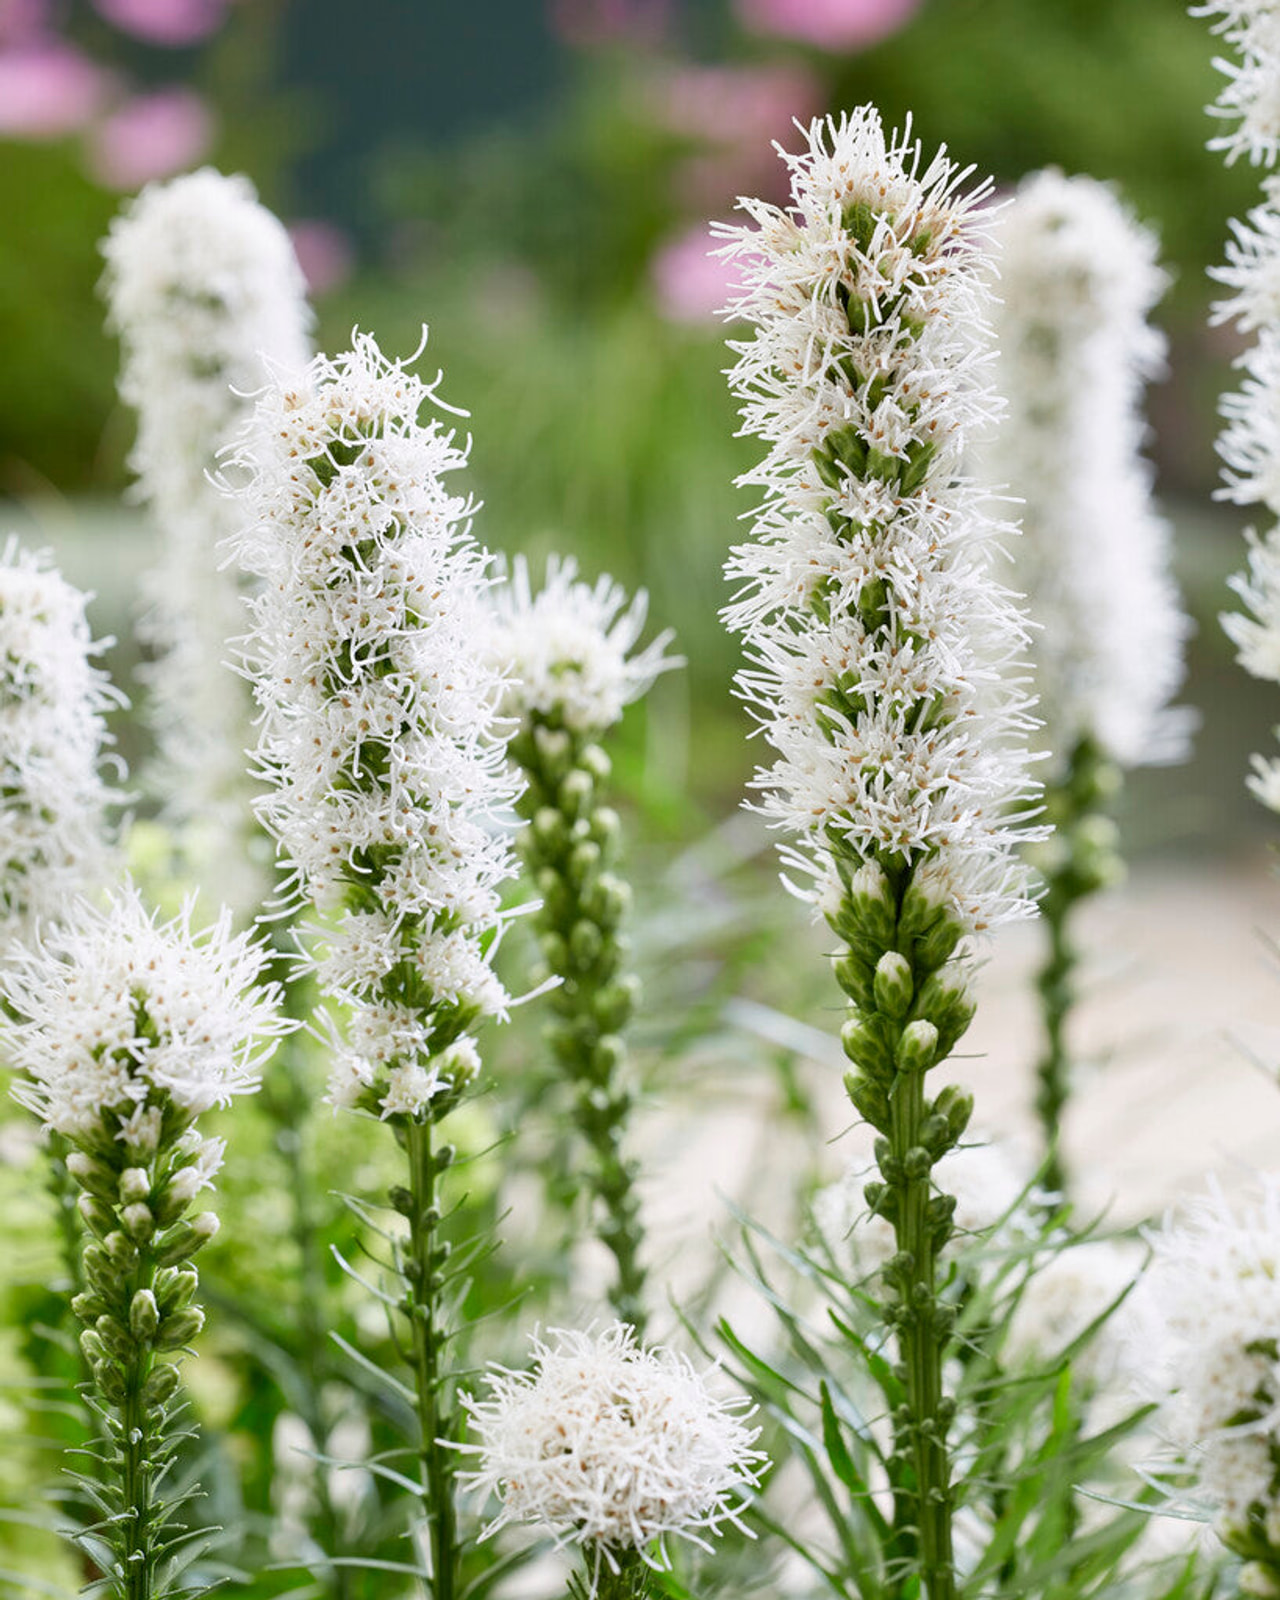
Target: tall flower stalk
x=206, y=295
x=567, y=657
x=1078, y=277
x=388, y=791
x=127, y=1030
x=1249, y=445
x=879, y=649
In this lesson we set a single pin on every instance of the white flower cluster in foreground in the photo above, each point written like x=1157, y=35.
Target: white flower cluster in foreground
x=1205, y=1322
x=568, y=652
x=205, y=292
x=1251, y=96
x=1078, y=276
x=53, y=842
x=879, y=644
x=380, y=734
x=989, y=1192
x=613, y=1446
x=116, y=1010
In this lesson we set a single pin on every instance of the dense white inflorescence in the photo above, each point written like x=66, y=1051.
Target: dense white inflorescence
x=1250, y=443
x=205, y=293
x=568, y=652
x=879, y=644
x=53, y=838
x=115, y=1011
x=1204, y=1323
x=612, y=1446
x=380, y=732
x=1078, y=276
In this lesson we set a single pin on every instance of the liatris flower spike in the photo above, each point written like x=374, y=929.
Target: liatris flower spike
x=206, y=294
x=53, y=704
x=126, y=1030
x=389, y=795
x=568, y=655
x=1205, y=1320
x=614, y=1447
x=1078, y=276
x=1249, y=445
x=879, y=666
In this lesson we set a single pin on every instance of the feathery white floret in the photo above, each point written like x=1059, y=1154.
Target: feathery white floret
x=1204, y=1324
x=879, y=644
x=53, y=840
x=116, y=1009
x=380, y=735
x=206, y=294
x=1251, y=96
x=568, y=652
x=1078, y=275
x=612, y=1445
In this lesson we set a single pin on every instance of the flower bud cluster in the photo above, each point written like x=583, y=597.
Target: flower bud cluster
x=612, y=1446
x=53, y=702
x=1078, y=276
x=1203, y=1323
x=206, y=295
x=380, y=738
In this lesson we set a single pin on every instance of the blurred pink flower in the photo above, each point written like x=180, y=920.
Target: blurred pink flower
x=150, y=136
x=731, y=105
x=169, y=22
x=586, y=23
x=324, y=253
x=830, y=24
x=690, y=285
x=22, y=20
x=48, y=89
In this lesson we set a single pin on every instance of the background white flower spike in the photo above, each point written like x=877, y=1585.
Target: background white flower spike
x=612, y=1446
x=53, y=704
x=207, y=297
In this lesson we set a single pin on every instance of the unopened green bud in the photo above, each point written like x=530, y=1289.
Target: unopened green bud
x=135, y=1185
x=139, y=1221
x=144, y=1314
x=88, y=1306
x=180, y=1328
x=595, y=761
x=175, y=1287
x=955, y=1106
x=918, y=1047
x=868, y=1098
x=607, y=1055
x=871, y=902
x=122, y=1251
x=855, y=977
x=584, y=859
x=99, y=1180
x=574, y=793
x=553, y=746
x=609, y=900
x=110, y=1382
x=614, y=1004
x=917, y=1162
x=161, y=1385
x=549, y=828
x=606, y=826
x=893, y=984
x=115, y=1341
x=868, y=1042
x=585, y=944
x=180, y=1242
x=460, y=1063
x=945, y=1000
x=99, y=1218
x=555, y=952
x=92, y=1346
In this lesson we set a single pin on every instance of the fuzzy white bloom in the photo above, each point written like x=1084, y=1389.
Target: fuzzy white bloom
x=53, y=839
x=380, y=733
x=568, y=652
x=1078, y=275
x=983, y=1178
x=879, y=643
x=1250, y=97
x=1204, y=1324
x=613, y=1446
x=206, y=294
x=1066, y=1294
x=116, y=1009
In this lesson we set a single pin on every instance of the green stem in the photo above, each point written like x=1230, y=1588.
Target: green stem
x=1055, y=982
x=136, y=1451
x=423, y=1272
x=920, y=1346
